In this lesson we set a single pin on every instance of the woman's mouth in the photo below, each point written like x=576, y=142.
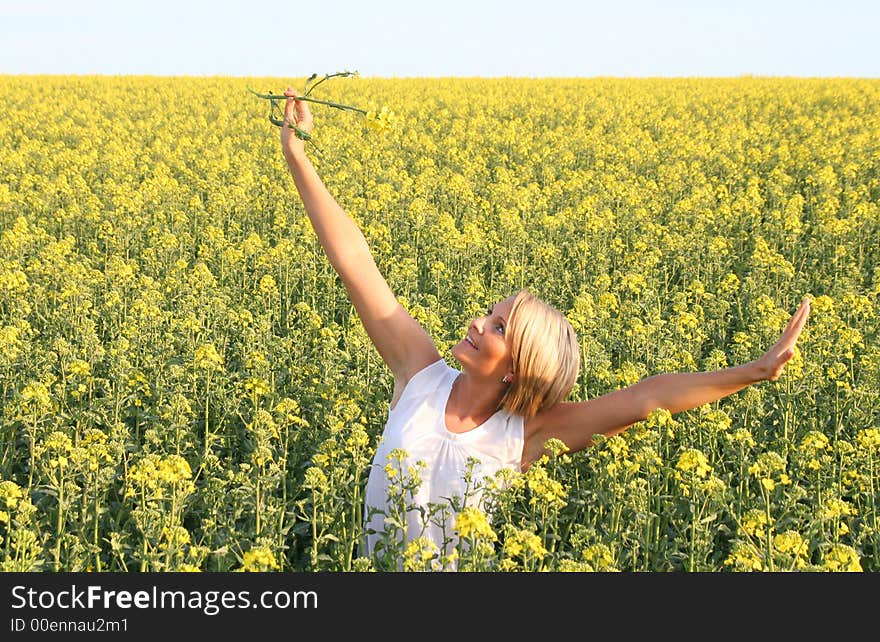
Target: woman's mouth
x=470, y=343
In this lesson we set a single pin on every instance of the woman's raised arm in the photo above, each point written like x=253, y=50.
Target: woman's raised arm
x=576, y=423
x=401, y=342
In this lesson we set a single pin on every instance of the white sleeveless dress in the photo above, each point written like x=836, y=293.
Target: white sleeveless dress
x=417, y=425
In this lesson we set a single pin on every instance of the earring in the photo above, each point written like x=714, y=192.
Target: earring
x=505, y=380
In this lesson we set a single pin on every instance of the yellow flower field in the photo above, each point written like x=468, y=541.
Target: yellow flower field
x=186, y=386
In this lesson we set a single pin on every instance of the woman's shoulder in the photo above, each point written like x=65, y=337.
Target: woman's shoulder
x=426, y=380
x=431, y=373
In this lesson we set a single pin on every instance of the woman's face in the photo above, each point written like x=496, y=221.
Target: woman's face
x=484, y=350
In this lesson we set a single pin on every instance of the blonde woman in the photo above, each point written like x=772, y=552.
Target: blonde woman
x=519, y=362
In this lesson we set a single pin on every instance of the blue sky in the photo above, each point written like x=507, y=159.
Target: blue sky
x=406, y=38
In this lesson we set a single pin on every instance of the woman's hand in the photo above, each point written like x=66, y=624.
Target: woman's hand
x=296, y=112
x=770, y=365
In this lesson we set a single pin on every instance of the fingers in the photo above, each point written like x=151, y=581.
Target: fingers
x=801, y=316
x=302, y=110
x=797, y=321
x=785, y=357
x=792, y=330
x=289, y=105
x=804, y=310
x=303, y=115
x=288, y=111
x=799, y=313
x=784, y=350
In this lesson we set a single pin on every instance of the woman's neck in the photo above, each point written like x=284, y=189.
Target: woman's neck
x=473, y=399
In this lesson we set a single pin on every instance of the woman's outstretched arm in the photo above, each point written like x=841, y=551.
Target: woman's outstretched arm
x=401, y=342
x=576, y=423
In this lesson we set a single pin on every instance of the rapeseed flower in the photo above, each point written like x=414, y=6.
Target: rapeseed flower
x=207, y=358
x=842, y=558
x=472, y=523
x=693, y=461
x=419, y=555
x=259, y=559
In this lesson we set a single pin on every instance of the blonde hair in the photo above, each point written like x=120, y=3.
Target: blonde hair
x=545, y=353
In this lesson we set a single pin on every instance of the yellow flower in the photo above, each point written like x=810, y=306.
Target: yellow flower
x=381, y=120
x=834, y=508
x=256, y=360
x=815, y=441
x=768, y=464
x=544, y=490
x=557, y=447
x=79, y=368
x=315, y=479
x=843, y=558
x=175, y=536
x=728, y=285
x=791, y=543
x=869, y=439
x=173, y=469
x=521, y=542
x=660, y=417
x=600, y=557
x=36, y=397
x=743, y=437
x=257, y=386
x=573, y=566
x=617, y=446
x=755, y=522
x=744, y=557
x=206, y=357
x=471, y=522
x=268, y=286
x=259, y=560
x=716, y=420
x=419, y=554
x=648, y=459
x=714, y=486
x=695, y=462
x=607, y=303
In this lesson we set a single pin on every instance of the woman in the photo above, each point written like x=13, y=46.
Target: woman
x=518, y=362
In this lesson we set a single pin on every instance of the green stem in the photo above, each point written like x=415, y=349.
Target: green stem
x=59, y=525
x=258, y=503
x=769, y=542
x=283, y=511
x=309, y=99
x=33, y=437
x=693, y=542
x=95, y=533
x=873, y=505
x=328, y=77
x=207, y=434
x=144, y=542
x=314, y=533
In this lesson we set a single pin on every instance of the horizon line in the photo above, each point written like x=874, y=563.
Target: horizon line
x=443, y=77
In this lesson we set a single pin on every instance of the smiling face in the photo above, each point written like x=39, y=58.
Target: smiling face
x=485, y=351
